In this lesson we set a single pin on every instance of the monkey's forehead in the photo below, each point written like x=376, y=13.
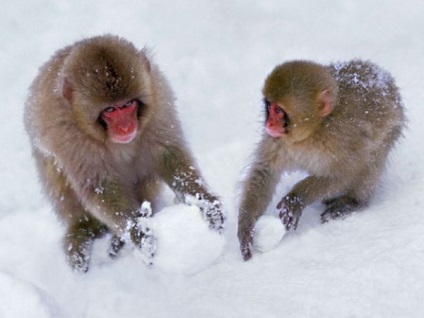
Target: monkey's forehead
x=106, y=75
x=299, y=78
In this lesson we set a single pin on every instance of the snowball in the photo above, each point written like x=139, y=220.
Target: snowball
x=269, y=230
x=185, y=244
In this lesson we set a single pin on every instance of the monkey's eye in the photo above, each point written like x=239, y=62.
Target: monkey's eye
x=279, y=110
x=110, y=109
x=128, y=104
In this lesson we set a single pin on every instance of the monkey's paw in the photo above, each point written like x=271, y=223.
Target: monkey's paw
x=214, y=215
x=143, y=238
x=245, y=234
x=290, y=210
x=212, y=211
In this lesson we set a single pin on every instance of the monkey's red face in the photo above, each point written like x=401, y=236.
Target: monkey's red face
x=121, y=121
x=276, y=121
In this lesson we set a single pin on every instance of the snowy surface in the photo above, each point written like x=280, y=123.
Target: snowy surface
x=216, y=55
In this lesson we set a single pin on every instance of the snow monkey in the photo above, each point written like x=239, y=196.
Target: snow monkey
x=105, y=136
x=337, y=123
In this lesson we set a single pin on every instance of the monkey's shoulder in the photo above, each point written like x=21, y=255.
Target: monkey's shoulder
x=361, y=77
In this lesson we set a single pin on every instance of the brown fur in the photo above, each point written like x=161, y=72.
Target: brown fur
x=94, y=184
x=343, y=152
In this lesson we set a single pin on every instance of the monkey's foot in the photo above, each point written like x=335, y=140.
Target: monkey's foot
x=79, y=256
x=339, y=208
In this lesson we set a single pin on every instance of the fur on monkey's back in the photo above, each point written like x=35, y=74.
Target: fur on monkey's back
x=368, y=91
x=368, y=100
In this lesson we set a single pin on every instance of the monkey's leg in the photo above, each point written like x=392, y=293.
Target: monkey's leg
x=79, y=240
x=82, y=228
x=359, y=193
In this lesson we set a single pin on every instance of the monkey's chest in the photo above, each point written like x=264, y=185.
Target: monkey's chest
x=132, y=164
x=314, y=161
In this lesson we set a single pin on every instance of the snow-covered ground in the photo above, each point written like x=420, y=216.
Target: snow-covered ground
x=216, y=55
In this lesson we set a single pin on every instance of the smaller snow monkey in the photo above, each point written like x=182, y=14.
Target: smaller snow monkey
x=105, y=136
x=336, y=122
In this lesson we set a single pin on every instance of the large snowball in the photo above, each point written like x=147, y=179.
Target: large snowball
x=269, y=230
x=185, y=244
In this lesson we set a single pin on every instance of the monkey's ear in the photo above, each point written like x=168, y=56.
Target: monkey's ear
x=325, y=102
x=67, y=90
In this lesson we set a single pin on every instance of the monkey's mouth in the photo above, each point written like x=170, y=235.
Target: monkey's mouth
x=277, y=132
x=123, y=138
x=277, y=121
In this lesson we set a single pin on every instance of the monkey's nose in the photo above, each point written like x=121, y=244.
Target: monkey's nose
x=126, y=128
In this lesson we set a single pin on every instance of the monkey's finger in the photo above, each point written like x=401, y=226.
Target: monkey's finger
x=296, y=219
x=286, y=218
x=288, y=223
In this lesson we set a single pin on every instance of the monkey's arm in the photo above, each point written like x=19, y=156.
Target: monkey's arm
x=257, y=192
x=179, y=171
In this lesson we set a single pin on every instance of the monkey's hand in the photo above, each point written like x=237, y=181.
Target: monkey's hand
x=245, y=235
x=290, y=209
x=142, y=237
x=212, y=210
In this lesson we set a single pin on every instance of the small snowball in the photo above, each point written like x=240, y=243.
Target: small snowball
x=185, y=244
x=269, y=231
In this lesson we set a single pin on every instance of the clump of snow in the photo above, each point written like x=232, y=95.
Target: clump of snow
x=185, y=244
x=269, y=231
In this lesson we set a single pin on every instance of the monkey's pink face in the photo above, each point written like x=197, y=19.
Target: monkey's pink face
x=121, y=121
x=276, y=121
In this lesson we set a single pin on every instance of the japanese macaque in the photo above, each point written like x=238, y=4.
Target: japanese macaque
x=105, y=137
x=337, y=123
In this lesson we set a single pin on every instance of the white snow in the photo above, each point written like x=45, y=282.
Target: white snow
x=216, y=55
